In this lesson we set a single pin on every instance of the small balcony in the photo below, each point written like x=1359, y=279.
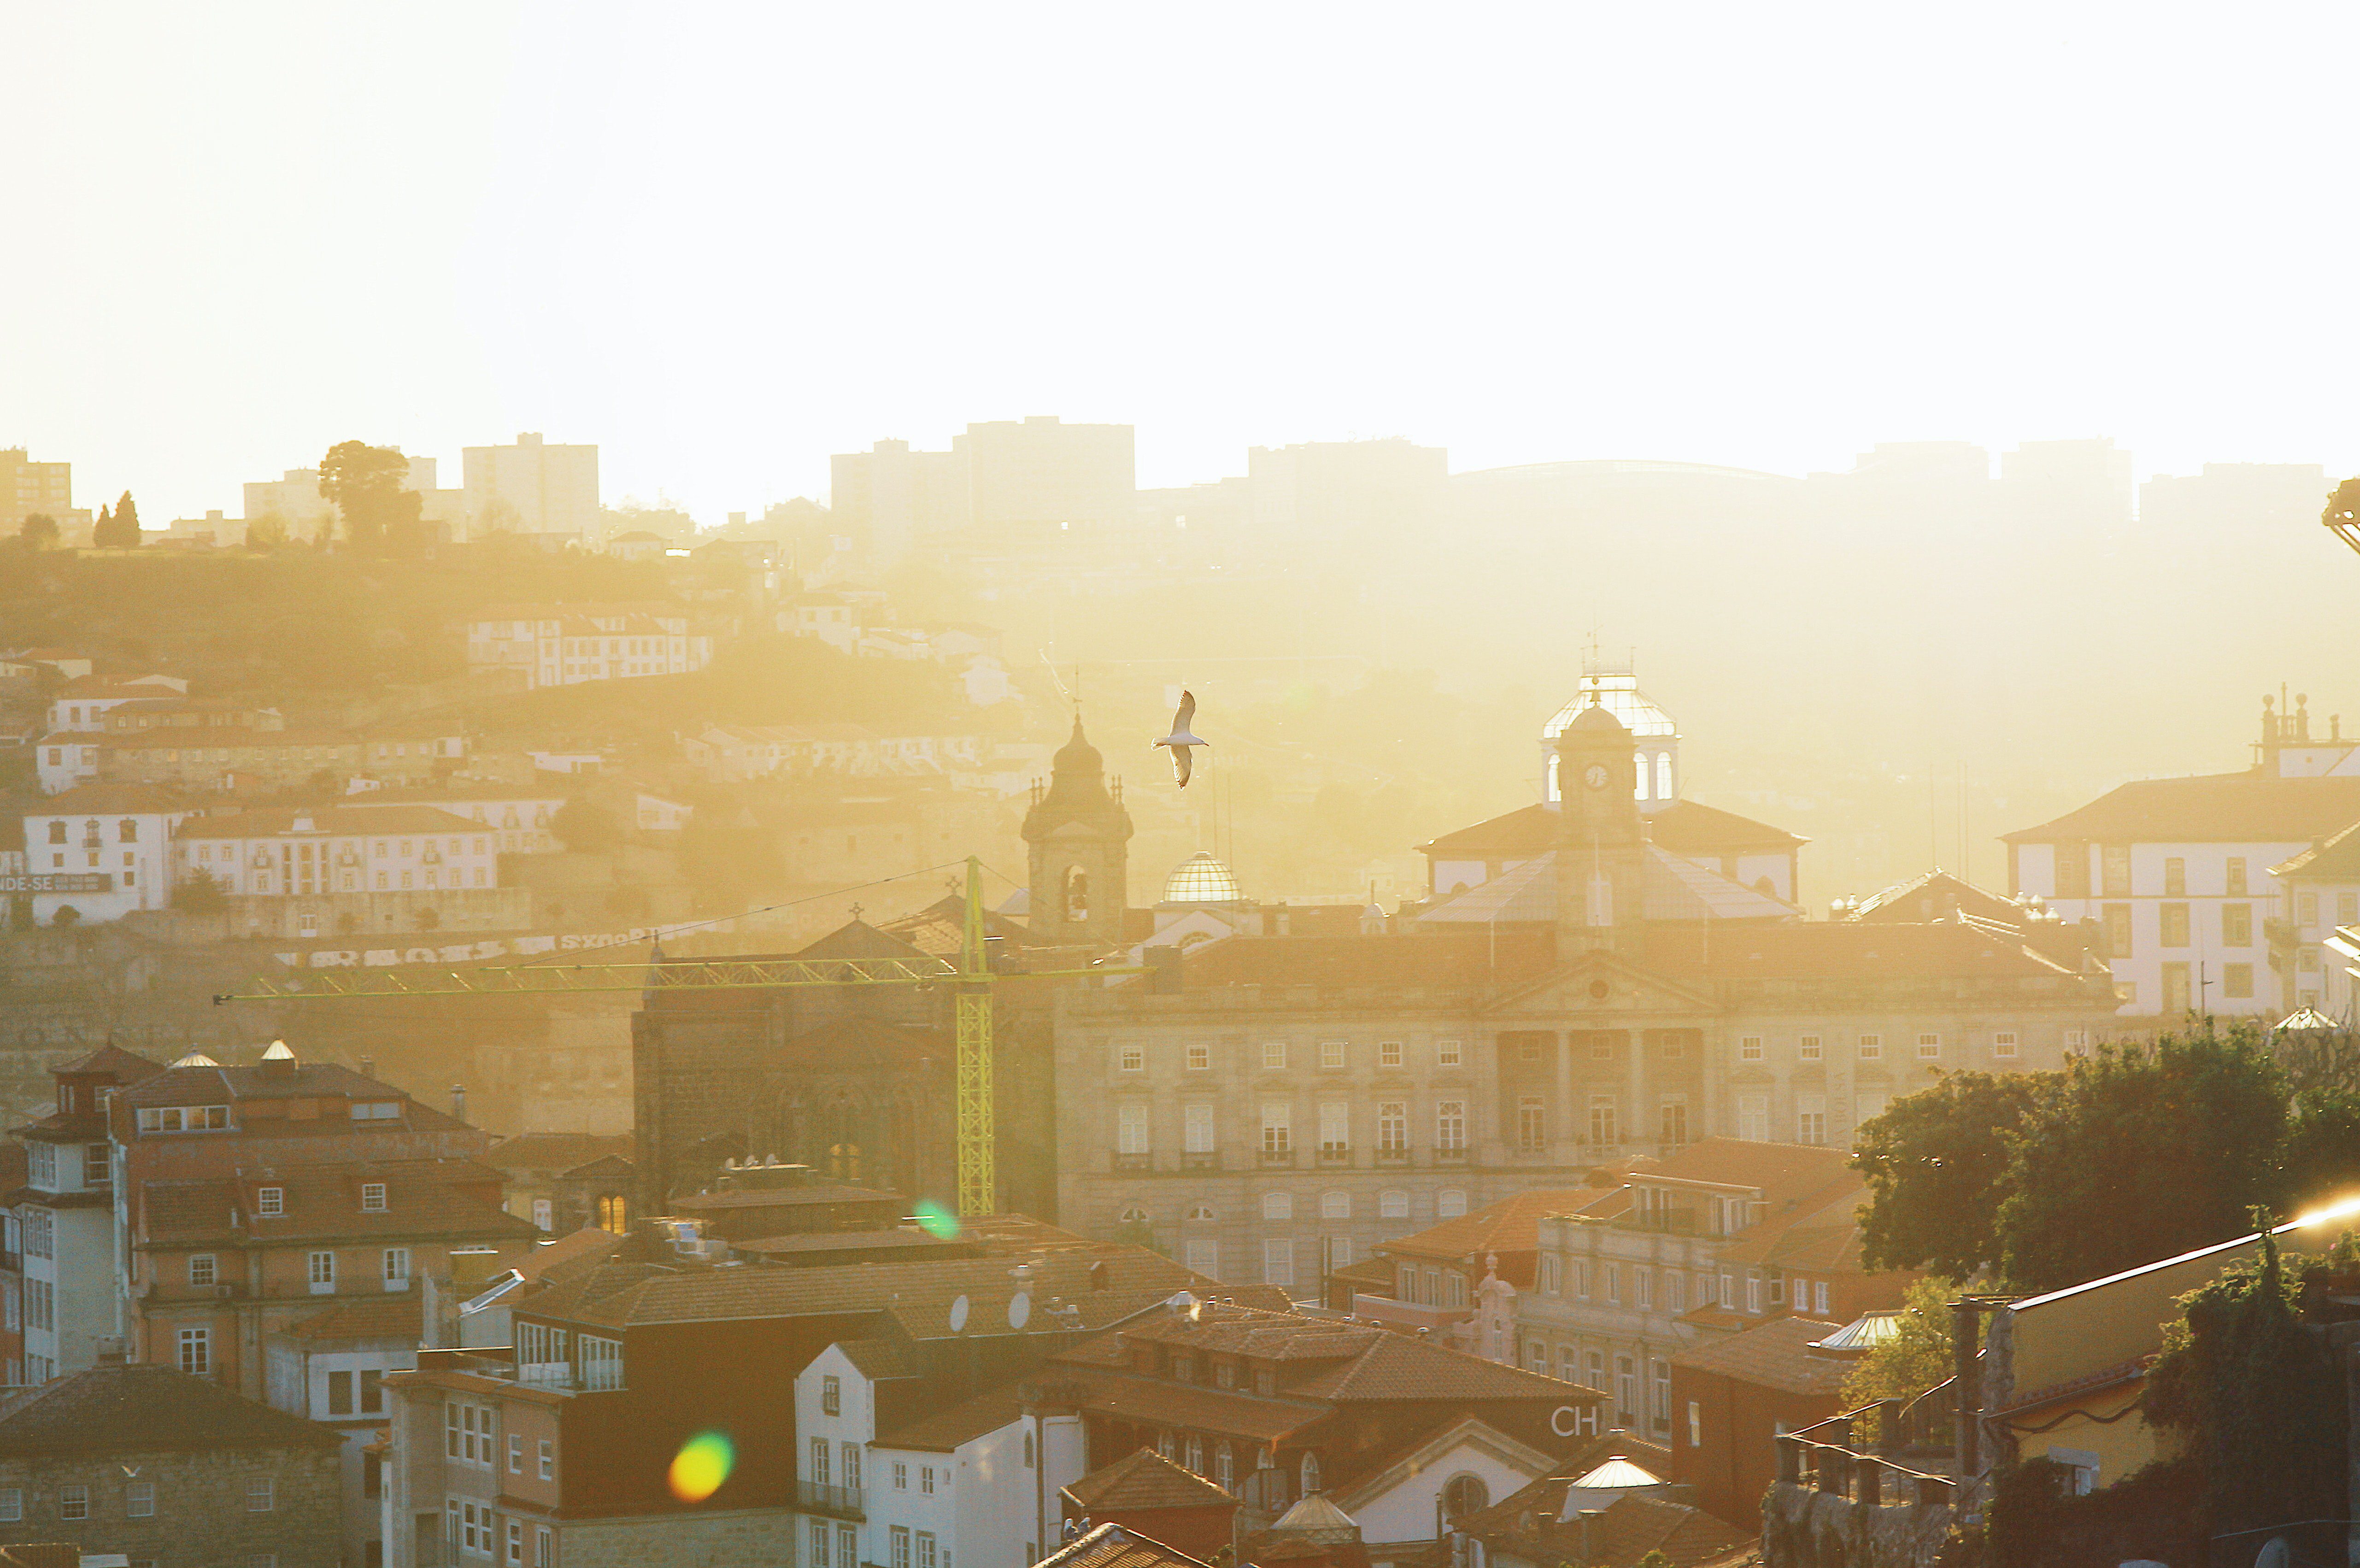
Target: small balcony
x=1200, y=1159
x=1392, y=1156
x=836, y=1502
x=1133, y=1161
x=1457, y=1156
x=1276, y=1159
x=1335, y=1154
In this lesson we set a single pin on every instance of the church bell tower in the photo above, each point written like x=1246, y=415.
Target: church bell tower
x=1601, y=844
x=1077, y=836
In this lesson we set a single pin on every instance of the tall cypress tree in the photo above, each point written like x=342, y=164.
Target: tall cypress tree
x=102, y=533
x=127, y=523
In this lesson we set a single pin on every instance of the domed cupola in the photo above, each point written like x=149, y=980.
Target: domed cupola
x=1656, y=749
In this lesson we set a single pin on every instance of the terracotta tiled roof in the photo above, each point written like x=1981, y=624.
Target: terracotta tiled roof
x=330, y=821
x=2337, y=858
x=1935, y=895
x=1685, y=828
x=120, y=1407
x=1144, y=1480
x=1111, y=1546
x=942, y=1432
x=1398, y=1367
x=1825, y=950
x=557, y=1151
x=2212, y=808
x=110, y=799
x=817, y=1194
x=1779, y=1171
x=385, y=1317
x=878, y=1359
x=112, y=1058
x=1228, y=1411
x=1772, y=1357
x=560, y=1260
x=319, y=1203
x=1512, y=1224
x=1422, y=961
x=1526, y=1525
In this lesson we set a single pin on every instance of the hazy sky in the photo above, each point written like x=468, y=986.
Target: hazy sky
x=724, y=242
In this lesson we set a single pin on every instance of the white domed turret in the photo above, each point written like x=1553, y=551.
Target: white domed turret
x=1201, y=879
x=1657, y=752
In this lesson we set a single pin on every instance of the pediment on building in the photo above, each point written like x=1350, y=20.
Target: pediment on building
x=1603, y=985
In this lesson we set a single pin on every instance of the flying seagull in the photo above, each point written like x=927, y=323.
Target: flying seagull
x=1180, y=740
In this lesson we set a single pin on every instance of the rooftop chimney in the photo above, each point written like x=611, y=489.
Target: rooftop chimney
x=459, y=1101
x=368, y=1067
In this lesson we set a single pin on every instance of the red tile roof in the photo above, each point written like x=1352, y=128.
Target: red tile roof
x=1145, y=1480
x=1512, y=1224
x=1112, y=1546
x=387, y=1317
x=1773, y=1355
x=127, y=1409
x=1422, y=961
x=1841, y=950
x=942, y=1432
x=2212, y=808
x=1685, y=828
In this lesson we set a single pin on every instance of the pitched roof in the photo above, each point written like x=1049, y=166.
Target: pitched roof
x=559, y=1152
x=1144, y=1480
x=1685, y=828
x=2212, y=808
x=1774, y=1355
x=110, y=1057
x=1617, y=1536
x=560, y=1260
x=2336, y=858
x=1841, y=950
x=1512, y=1224
x=784, y=1197
x=878, y=1359
x=1420, y=960
x=140, y=1406
x=1672, y=887
x=1934, y=895
x=382, y=1317
x=1112, y=1546
x=329, y=821
x=110, y=799
x=942, y=1432
x=423, y=1198
x=1775, y=1168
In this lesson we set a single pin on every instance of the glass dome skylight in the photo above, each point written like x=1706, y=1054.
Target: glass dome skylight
x=1201, y=879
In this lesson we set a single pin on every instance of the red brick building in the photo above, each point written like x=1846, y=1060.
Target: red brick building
x=1731, y=1398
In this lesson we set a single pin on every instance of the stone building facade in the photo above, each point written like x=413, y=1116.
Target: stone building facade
x=1289, y=1102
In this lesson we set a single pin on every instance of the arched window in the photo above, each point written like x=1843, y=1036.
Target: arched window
x=1196, y=1454
x=1201, y=1211
x=1464, y=1494
x=1310, y=1473
x=1335, y=1205
x=613, y=1215
x=1225, y=1468
x=1165, y=1444
x=1134, y=1216
x=1078, y=894
x=1392, y=1204
x=1449, y=1203
x=1278, y=1205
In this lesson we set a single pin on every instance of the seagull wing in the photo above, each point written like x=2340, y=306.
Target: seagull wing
x=1185, y=713
x=1180, y=765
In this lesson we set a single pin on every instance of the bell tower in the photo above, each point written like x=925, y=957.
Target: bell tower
x=1601, y=843
x=1077, y=835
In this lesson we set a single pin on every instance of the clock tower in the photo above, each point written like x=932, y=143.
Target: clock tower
x=1601, y=844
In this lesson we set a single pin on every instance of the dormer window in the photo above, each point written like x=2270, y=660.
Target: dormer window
x=184, y=1118
x=376, y=1110
x=372, y=1197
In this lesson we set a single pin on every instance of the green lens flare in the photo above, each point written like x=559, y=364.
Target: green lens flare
x=703, y=1464
x=937, y=1221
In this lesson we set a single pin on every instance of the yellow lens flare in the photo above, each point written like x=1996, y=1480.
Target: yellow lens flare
x=702, y=1463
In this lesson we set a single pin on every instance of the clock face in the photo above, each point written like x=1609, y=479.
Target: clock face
x=1594, y=776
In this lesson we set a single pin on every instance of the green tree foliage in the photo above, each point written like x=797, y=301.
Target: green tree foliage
x=117, y=529
x=2257, y=1398
x=1935, y=1162
x=369, y=487
x=2137, y=1154
x=1917, y=1356
x=200, y=893
x=65, y=917
x=38, y=531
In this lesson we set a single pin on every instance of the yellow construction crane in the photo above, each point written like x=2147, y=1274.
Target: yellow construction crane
x=972, y=982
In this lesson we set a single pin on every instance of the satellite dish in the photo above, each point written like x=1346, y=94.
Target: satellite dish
x=1019, y=1310
x=958, y=1315
x=2275, y=1554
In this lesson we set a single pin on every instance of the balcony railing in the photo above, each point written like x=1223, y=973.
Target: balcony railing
x=1200, y=1159
x=818, y=1498
x=1451, y=1156
x=1392, y=1157
x=1856, y=1456
x=1335, y=1154
x=1277, y=1158
x=1133, y=1161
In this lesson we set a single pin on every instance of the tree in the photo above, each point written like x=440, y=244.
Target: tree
x=1934, y=1162
x=38, y=531
x=2321, y=1157
x=65, y=917
x=2138, y=1154
x=1917, y=1357
x=369, y=486
x=118, y=530
x=200, y=893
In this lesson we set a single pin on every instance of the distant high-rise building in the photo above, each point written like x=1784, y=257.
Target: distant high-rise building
x=2075, y=482
x=1332, y=490
x=1042, y=470
x=1034, y=473
x=531, y=487
x=2232, y=495
x=27, y=487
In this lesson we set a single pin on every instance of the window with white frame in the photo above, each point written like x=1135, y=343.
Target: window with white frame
x=1448, y=1053
x=1392, y=1204
x=12, y=1504
x=196, y=1347
x=1131, y=1129
x=1389, y=1053
x=1273, y=1054
x=139, y=1500
x=261, y=1494
x=548, y=1459
x=1552, y=1274
x=395, y=1264
x=1200, y=1059
x=270, y=1202
x=202, y=1270
x=323, y=1272
x=1450, y=1125
x=1278, y=1261
x=1807, y=1048
x=1335, y=1205
x=73, y=1502
x=1331, y=1055
x=1810, y=1118
x=2003, y=1044
x=1277, y=1206
x=372, y=1197
x=1197, y=1128
x=1872, y=1048
x=1132, y=1058
x=1335, y=1127
x=1753, y=1118
x=1749, y=1047
x=1277, y=1127
x=1392, y=1126
x=1929, y=1047
x=1449, y=1203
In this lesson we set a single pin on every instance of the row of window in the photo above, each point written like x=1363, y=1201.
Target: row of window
x=1588, y=1369
x=1573, y=1278
x=1130, y=1055
x=1277, y=1126
x=905, y=1549
x=2072, y=862
x=475, y=1530
x=233, y=852
x=1871, y=1047
x=1392, y=1204
x=2173, y=925
x=216, y=1118
x=42, y=1165
x=76, y=1501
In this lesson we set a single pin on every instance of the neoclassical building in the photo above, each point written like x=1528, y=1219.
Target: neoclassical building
x=1611, y=972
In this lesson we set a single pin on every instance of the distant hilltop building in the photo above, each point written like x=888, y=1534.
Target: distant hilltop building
x=531, y=487
x=26, y=487
x=1038, y=473
x=294, y=502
